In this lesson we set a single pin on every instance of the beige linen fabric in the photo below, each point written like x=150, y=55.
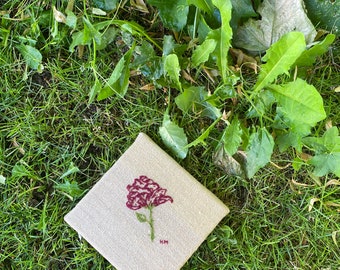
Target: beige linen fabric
x=104, y=219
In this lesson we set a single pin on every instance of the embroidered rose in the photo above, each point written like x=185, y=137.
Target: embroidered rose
x=145, y=193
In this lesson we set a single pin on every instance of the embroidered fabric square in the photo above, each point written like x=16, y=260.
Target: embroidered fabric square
x=146, y=212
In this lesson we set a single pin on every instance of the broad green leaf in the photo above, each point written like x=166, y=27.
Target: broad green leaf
x=308, y=57
x=262, y=103
x=204, y=135
x=222, y=36
x=280, y=57
x=325, y=14
x=173, y=137
x=231, y=137
x=106, y=5
x=70, y=188
x=108, y=89
x=95, y=89
x=328, y=143
x=278, y=17
x=107, y=37
x=242, y=10
x=86, y=36
x=90, y=32
x=168, y=45
x=203, y=29
x=141, y=217
x=119, y=80
x=299, y=103
x=291, y=137
x=259, y=151
x=195, y=99
x=71, y=19
x=203, y=51
x=172, y=69
x=32, y=56
x=326, y=163
x=172, y=13
x=327, y=149
x=205, y=5
x=171, y=47
x=299, y=108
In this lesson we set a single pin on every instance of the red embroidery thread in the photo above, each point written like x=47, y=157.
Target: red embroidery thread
x=146, y=193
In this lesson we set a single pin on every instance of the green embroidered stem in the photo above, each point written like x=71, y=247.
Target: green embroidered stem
x=152, y=234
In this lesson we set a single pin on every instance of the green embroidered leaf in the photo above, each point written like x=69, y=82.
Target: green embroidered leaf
x=203, y=51
x=204, y=135
x=172, y=69
x=195, y=99
x=173, y=137
x=32, y=56
x=259, y=151
x=172, y=13
x=222, y=36
x=231, y=137
x=141, y=217
x=308, y=57
x=119, y=80
x=280, y=57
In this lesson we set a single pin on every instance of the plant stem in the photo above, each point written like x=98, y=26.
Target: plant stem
x=152, y=234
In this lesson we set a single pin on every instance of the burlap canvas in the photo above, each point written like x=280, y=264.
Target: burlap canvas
x=146, y=212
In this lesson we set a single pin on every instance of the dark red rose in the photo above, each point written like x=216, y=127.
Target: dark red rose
x=144, y=192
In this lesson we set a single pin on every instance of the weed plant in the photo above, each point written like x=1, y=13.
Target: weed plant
x=55, y=145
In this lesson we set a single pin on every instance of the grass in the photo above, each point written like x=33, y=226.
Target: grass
x=47, y=127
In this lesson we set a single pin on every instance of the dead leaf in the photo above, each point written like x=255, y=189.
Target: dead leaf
x=300, y=184
x=231, y=165
x=333, y=182
x=278, y=17
x=140, y=5
x=187, y=77
x=304, y=156
x=311, y=203
x=334, y=237
x=148, y=87
x=58, y=16
x=243, y=59
x=332, y=204
x=17, y=146
x=98, y=11
x=328, y=124
x=279, y=167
